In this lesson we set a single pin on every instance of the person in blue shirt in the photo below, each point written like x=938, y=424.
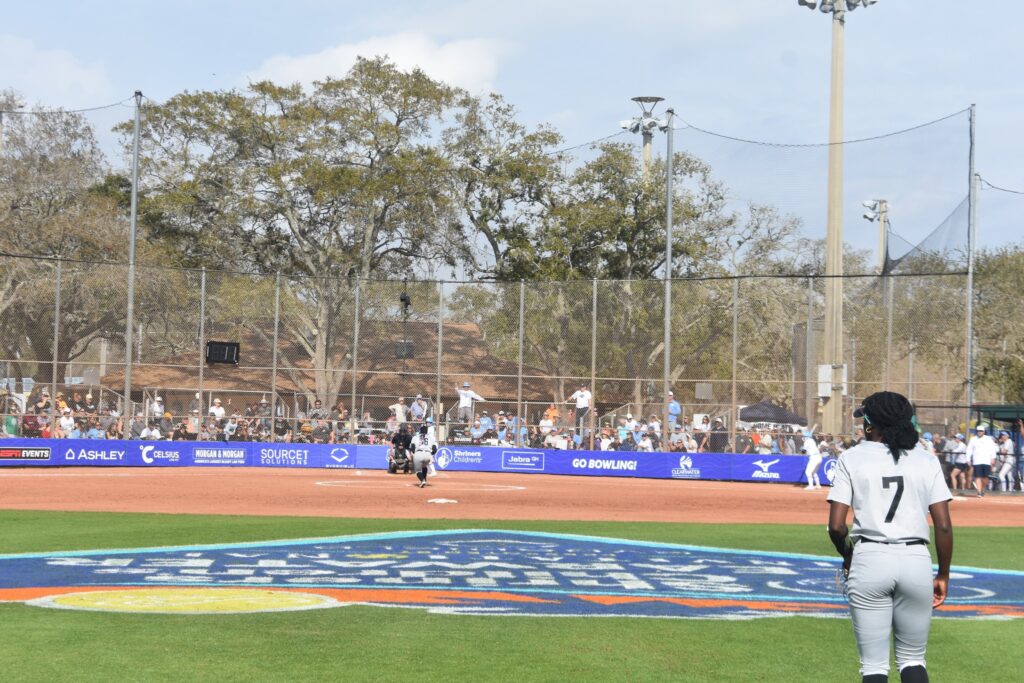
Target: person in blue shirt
x=486, y=422
x=476, y=432
x=94, y=431
x=674, y=411
x=76, y=431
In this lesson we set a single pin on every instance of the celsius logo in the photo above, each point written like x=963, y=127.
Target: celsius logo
x=339, y=455
x=830, y=470
x=685, y=462
x=444, y=458
x=764, y=473
x=145, y=451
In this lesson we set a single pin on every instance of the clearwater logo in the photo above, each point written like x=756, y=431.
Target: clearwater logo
x=686, y=470
x=481, y=572
x=764, y=472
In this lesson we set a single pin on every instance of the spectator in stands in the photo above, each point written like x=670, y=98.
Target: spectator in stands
x=646, y=445
x=217, y=410
x=90, y=407
x=321, y=431
x=536, y=438
x=194, y=423
x=317, y=412
x=792, y=438
x=157, y=410
x=231, y=427
x=718, y=437
x=486, y=421
x=466, y=398
x=744, y=444
x=674, y=412
x=654, y=424
x=630, y=444
x=265, y=414
x=166, y=423
x=65, y=424
x=546, y=423
x=552, y=415
x=77, y=403
x=677, y=440
x=151, y=432
x=181, y=432
x=342, y=430
x=76, y=430
x=551, y=439
x=764, y=444
x=109, y=422
x=94, y=431
x=476, y=432
x=583, y=399
x=418, y=409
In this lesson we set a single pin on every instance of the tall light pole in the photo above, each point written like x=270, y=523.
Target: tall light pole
x=646, y=124
x=832, y=417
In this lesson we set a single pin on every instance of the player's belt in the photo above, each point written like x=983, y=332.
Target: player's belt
x=918, y=541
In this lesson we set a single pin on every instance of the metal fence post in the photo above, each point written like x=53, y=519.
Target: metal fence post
x=202, y=339
x=593, y=358
x=273, y=353
x=355, y=365
x=735, y=358
x=56, y=346
x=519, y=383
x=438, y=405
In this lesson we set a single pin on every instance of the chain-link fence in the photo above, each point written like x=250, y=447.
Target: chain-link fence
x=345, y=359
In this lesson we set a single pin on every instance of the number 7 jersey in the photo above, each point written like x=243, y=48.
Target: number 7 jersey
x=890, y=501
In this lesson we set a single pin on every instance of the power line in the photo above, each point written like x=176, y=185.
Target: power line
x=1001, y=189
x=41, y=112
x=821, y=144
x=587, y=144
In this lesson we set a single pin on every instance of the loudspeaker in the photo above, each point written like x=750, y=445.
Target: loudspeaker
x=222, y=352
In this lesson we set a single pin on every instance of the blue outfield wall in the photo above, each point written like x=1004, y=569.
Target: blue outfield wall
x=714, y=466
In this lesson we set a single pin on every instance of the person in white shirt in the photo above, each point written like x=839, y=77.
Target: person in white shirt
x=157, y=410
x=151, y=432
x=546, y=424
x=961, y=463
x=466, y=398
x=217, y=410
x=583, y=398
x=645, y=445
x=893, y=485
x=1007, y=460
x=400, y=410
x=981, y=453
x=66, y=423
x=810, y=449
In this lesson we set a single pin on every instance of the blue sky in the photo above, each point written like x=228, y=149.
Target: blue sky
x=751, y=68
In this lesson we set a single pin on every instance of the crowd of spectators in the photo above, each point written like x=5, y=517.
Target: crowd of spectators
x=76, y=416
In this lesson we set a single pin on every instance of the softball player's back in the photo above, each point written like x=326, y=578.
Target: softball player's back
x=892, y=484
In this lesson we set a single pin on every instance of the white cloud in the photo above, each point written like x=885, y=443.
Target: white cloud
x=471, y=63
x=52, y=77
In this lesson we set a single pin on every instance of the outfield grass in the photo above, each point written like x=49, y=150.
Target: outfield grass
x=391, y=644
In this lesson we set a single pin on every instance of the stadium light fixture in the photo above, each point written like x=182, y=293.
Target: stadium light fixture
x=832, y=410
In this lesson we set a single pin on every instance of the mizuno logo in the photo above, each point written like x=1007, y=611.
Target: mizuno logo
x=765, y=465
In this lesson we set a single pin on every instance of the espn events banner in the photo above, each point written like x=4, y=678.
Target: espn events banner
x=98, y=452
x=714, y=466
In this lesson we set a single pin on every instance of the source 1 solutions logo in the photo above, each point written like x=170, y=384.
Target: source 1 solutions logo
x=19, y=453
x=686, y=470
x=340, y=458
x=284, y=457
x=150, y=454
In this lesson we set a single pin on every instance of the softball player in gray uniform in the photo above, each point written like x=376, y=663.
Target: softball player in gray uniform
x=424, y=447
x=892, y=484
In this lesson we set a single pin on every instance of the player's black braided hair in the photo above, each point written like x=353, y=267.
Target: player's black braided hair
x=893, y=416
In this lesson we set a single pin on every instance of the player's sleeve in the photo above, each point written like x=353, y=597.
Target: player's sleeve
x=938, y=490
x=842, y=485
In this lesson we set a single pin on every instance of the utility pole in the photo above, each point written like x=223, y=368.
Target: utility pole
x=130, y=318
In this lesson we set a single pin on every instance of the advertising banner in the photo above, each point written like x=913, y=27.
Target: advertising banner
x=697, y=466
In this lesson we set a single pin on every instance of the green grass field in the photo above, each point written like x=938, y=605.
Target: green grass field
x=384, y=644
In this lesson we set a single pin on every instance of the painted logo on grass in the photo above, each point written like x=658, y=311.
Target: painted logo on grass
x=467, y=572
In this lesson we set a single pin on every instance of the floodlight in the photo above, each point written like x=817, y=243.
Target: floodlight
x=867, y=3
x=827, y=6
x=627, y=124
x=809, y=4
x=870, y=204
x=870, y=216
